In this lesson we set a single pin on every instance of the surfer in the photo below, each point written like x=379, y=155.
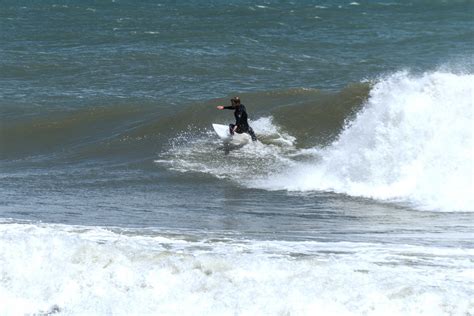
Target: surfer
x=241, y=125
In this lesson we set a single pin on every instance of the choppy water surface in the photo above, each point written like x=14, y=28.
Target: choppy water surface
x=118, y=198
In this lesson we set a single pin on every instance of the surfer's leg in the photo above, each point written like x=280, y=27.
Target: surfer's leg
x=231, y=129
x=252, y=134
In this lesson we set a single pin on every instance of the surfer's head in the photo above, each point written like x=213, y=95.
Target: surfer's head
x=235, y=101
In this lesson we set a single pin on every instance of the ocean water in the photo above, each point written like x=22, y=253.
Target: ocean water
x=117, y=198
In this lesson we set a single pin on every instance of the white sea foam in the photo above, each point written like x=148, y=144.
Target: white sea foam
x=79, y=270
x=239, y=164
x=412, y=142
x=266, y=128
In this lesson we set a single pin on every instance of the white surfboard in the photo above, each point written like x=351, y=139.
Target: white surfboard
x=237, y=139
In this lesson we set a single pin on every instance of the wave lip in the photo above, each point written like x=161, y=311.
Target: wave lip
x=411, y=142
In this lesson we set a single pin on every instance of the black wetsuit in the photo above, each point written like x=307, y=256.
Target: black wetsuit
x=240, y=114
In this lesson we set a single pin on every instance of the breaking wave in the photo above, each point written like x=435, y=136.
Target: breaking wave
x=413, y=141
x=410, y=142
x=405, y=138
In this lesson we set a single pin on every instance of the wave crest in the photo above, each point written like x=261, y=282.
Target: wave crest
x=411, y=142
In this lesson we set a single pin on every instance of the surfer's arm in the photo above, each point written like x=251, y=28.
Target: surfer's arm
x=221, y=107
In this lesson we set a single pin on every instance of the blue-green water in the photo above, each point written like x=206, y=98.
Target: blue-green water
x=118, y=198
x=74, y=54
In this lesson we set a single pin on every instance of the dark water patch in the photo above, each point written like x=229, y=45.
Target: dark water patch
x=137, y=131
x=61, y=132
x=319, y=121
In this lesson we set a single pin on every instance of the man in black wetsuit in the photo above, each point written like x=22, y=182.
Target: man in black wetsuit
x=241, y=125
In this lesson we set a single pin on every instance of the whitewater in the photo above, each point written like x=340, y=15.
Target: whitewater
x=411, y=143
x=48, y=269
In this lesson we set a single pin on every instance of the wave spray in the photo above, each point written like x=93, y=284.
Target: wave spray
x=412, y=142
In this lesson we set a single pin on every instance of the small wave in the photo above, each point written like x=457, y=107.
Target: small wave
x=310, y=115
